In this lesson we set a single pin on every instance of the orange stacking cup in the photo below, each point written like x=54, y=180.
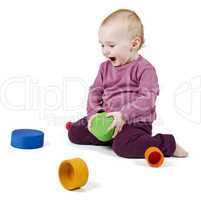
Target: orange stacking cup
x=154, y=156
x=73, y=173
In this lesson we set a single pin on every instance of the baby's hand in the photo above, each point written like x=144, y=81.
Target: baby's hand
x=118, y=122
x=90, y=120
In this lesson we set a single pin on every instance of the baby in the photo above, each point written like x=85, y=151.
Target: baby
x=126, y=88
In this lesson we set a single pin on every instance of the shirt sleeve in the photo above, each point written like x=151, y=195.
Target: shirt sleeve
x=146, y=96
x=94, y=102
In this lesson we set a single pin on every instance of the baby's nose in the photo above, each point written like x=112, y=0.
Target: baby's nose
x=106, y=52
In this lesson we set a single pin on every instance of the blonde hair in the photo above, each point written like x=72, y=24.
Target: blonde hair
x=131, y=19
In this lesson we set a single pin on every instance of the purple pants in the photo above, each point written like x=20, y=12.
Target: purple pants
x=131, y=142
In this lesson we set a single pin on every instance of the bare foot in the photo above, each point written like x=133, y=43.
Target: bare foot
x=180, y=152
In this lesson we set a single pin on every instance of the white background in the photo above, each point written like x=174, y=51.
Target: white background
x=49, y=56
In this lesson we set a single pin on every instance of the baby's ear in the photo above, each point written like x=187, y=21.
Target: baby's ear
x=136, y=43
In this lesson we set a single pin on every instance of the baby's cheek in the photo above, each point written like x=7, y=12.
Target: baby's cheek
x=124, y=57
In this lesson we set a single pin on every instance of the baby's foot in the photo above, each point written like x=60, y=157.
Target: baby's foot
x=180, y=152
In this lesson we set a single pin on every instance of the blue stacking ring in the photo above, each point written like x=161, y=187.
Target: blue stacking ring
x=27, y=138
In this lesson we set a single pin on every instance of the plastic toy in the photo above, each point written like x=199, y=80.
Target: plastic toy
x=154, y=157
x=27, y=138
x=69, y=125
x=99, y=126
x=73, y=173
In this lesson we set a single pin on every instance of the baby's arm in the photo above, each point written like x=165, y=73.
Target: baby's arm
x=94, y=102
x=145, y=102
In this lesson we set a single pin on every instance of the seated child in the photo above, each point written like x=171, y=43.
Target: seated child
x=126, y=87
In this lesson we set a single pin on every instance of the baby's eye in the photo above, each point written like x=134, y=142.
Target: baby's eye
x=102, y=45
x=112, y=45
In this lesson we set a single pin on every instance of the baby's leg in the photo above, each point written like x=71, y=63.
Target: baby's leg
x=134, y=139
x=79, y=134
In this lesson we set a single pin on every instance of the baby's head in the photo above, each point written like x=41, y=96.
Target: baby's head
x=121, y=35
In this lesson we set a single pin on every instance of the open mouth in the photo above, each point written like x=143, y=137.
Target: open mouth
x=112, y=58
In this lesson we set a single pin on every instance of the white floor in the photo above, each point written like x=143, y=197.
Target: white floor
x=33, y=174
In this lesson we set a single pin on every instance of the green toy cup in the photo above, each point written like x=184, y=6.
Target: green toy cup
x=99, y=126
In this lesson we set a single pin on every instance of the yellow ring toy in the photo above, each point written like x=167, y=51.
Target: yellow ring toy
x=73, y=173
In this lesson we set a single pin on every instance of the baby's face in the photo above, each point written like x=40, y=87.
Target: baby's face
x=116, y=45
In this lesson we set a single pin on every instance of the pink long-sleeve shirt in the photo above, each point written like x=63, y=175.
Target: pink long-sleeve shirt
x=130, y=89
